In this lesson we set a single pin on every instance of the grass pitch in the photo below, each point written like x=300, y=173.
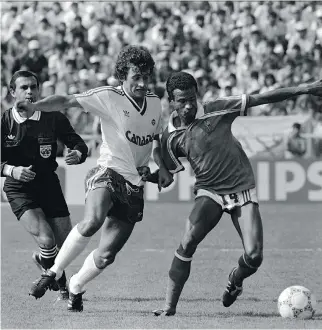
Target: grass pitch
x=124, y=295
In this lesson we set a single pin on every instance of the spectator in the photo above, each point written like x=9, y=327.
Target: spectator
x=55, y=16
x=35, y=61
x=7, y=21
x=303, y=38
x=296, y=144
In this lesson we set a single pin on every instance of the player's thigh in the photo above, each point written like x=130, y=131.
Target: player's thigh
x=115, y=233
x=61, y=227
x=247, y=220
x=35, y=222
x=204, y=216
x=97, y=205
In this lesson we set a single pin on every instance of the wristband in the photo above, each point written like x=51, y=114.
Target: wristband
x=8, y=169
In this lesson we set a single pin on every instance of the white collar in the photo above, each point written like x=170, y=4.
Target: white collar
x=16, y=116
x=174, y=114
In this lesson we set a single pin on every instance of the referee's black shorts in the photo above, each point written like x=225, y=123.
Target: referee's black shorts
x=43, y=192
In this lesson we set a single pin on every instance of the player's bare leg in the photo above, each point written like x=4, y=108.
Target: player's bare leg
x=248, y=223
x=97, y=205
x=34, y=221
x=115, y=234
x=204, y=216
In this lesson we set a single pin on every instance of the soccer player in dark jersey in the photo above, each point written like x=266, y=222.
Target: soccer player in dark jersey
x=224, y=177
x=28, y=161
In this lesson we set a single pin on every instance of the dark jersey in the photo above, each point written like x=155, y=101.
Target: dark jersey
x=34, y=141
x=215, y=155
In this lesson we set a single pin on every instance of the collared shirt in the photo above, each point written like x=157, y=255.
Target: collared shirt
x=128, y=129
x=33, y=141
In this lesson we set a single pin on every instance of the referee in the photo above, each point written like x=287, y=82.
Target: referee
x=28, y=161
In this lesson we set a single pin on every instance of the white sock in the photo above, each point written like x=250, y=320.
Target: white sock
x=73, y=246
x=87, y=273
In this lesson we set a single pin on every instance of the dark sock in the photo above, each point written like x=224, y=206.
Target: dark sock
x=62, y=281
x=48, y=256
x=243, y=271
x=178, y=275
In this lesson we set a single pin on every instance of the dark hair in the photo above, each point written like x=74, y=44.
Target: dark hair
x=297, y=126
x=21, y=73
x=138, y=56
x=180, y=80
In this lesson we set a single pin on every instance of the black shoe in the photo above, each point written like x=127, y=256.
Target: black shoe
x=232, y=291
x=75, y=302
x=63, y=294
x=164, y=312
x=42, y=284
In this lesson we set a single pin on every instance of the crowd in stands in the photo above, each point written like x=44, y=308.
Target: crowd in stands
x=229, y=47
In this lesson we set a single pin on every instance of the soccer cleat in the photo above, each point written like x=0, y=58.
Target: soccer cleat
x=164, y=312
x=232, y=291
x=75, y=302
x=36, y=257
x=42, y=284
x=63, y=294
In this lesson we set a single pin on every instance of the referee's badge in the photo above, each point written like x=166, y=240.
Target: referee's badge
x=45, y=150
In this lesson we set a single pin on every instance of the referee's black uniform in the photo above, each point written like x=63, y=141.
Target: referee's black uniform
x=34, y=142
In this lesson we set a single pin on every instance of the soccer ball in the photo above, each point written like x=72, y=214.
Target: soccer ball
x=296, y=302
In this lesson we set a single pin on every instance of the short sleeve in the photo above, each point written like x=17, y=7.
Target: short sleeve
x=96, y=101
x=227, y=105
x=170, y=147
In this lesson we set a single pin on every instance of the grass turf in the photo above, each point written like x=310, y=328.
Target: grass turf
x=124, y=295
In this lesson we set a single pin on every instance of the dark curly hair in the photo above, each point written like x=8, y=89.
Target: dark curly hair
x=138, y=56
x=22, y=73
x=180, y=80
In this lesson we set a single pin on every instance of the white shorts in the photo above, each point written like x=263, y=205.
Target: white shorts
x=230, y=201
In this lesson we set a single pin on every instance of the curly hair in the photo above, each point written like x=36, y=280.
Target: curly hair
x=22, y=73
x=180, y=80
x=138, y=56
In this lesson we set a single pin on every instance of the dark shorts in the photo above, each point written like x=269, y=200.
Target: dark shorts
x=43, y=192
x=128, y=199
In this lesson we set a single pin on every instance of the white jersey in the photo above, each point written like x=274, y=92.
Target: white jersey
x=127, y=129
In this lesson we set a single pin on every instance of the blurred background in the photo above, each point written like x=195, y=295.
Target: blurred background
x=229, y=47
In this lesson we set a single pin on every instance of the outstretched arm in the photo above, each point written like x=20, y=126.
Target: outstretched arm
x=282, y=94
x=50, y=103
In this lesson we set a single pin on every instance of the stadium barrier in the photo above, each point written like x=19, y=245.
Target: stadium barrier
x=281, y=181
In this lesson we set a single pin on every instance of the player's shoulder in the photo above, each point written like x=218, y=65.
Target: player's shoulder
x=111, y=90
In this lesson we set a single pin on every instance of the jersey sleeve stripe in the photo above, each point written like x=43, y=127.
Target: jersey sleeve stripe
x=175, y=160
x=99, y=89
x=243, y=110
x=220, y=113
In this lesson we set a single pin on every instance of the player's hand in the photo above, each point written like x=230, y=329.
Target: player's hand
x=165, y=178
x=315, y=88
x=25, y=106
x=72, y=157
x=144, y=172
x=24, y=174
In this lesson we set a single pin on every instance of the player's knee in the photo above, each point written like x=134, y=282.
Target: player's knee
x=255, y=258
x=46, y=240
x=89, y=226
x=103, y=259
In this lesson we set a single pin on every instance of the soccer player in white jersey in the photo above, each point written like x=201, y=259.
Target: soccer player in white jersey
x=131, y=123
